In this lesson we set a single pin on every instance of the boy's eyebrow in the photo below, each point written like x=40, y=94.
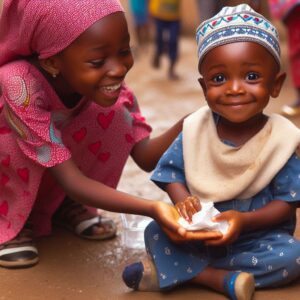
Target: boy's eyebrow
x=251, y=63
x=216, y=66
x=243, y=64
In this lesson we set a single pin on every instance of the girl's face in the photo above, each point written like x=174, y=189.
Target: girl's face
x=96, y=63
x=238, y=80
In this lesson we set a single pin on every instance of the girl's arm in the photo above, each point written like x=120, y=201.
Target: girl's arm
x=274, y=213
x=93, y=193
x=147, y=152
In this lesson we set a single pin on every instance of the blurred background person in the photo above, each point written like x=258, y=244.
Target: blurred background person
x=140, y=19
x=288, y=11
x=166, y=17
x=208, y=8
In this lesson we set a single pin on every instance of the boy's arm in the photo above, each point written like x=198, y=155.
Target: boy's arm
x=148, y=151
x=186, y=204
x=274, y=213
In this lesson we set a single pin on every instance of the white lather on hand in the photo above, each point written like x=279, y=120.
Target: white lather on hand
x=202, y=220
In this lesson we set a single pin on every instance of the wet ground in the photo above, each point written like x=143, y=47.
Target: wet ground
x=71, y=268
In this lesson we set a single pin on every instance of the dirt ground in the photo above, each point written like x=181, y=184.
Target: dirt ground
x=71, y=268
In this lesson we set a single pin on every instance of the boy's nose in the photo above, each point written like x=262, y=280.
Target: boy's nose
x=235, y=87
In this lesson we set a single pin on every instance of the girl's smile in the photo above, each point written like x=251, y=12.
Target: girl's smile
x=111, y=91
x=96, y=63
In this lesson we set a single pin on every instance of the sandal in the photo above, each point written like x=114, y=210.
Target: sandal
x=76, y=218
x=19, y=252
x=239, y=285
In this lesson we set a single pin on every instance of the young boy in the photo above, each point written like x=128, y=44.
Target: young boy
x=232, y=154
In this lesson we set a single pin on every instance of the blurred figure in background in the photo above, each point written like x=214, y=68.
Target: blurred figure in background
x=288, y=11
x=166, y=15
x=139, y=11
x=208, y=8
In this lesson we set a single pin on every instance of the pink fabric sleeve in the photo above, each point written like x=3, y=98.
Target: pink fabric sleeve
x=29, y=116
x=140, y=128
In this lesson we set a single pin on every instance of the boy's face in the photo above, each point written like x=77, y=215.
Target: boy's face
x=238, y=80
x=96, y=63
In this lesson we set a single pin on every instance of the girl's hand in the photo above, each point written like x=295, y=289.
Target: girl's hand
x=236, y=226
x=188, y=207
x=167, y=216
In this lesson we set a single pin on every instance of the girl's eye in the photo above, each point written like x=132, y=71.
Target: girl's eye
x=97, y=63
x=219, y=78
x=252, y=76
x=126, y=51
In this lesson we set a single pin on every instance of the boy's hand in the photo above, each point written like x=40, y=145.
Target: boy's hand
x=188, y=207
x=236, y=225
x=200, y=235
x=167, y=217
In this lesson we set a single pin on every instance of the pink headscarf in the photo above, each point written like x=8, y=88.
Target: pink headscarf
x=46, y=27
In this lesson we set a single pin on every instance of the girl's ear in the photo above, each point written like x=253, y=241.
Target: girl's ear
x=203, y=85
x=50, y=65
x=280, y=78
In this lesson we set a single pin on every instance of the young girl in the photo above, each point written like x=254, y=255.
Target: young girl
x=234, y=155
x=68, y=123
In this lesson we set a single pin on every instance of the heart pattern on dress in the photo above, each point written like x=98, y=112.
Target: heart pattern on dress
x=104, y=156
x=4, y=208
x=105, y=120
x=79, y=135
x=94, y=148
x=4, y=179
x=5, y=161
x=23, y=174
x=5, y=130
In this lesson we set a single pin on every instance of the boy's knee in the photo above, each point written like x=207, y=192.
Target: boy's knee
x=293, y=254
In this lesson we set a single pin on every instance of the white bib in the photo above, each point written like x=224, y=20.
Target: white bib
x=218, y=172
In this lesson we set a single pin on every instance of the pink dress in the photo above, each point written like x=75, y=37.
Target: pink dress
x=37, y=132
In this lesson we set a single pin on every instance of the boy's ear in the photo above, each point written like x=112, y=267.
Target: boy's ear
x=280, y=78
x=203, y=85
x=50, y=65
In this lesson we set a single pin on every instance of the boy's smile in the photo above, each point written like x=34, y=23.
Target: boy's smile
x=238, y=80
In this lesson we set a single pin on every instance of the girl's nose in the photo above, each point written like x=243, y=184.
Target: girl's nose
x=117, y=68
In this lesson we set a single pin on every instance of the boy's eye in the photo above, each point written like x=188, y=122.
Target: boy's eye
x=219, y=78
x=252, y=76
